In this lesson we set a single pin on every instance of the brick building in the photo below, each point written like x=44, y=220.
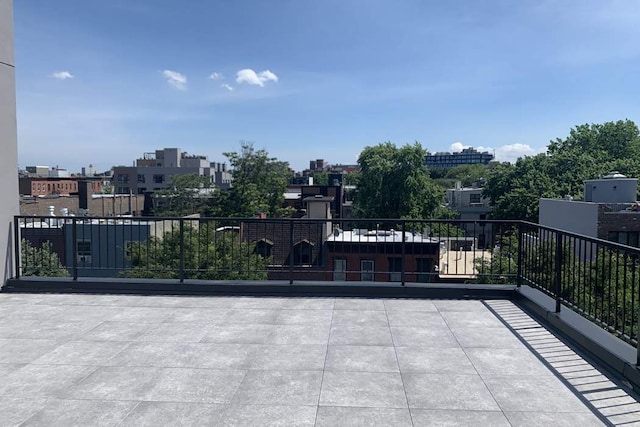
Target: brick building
x=45, y=186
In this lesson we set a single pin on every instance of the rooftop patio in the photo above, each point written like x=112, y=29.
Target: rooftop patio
x=73, y=359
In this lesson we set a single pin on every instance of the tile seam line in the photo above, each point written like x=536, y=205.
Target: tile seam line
x=475, y=368
x=395, y=352
x=324, y=366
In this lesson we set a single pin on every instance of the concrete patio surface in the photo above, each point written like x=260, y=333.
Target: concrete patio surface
x=116, y=360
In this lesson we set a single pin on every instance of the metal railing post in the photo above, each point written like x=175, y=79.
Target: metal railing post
x=520, y=255
x=74, y=247
x=291, y=254
x=17, y=245
x=181, y=272
x=633, y=280
x=403, y=263
x=558, y=275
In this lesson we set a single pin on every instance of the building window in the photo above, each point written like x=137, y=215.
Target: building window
x=141, y=190
x=474, y=198
x=122, y=178
x=83, y=252
x=367, y=268
x=263, y=248
x=141, y=178
x=395, y=269
x=624, y=237
x=340, y=269
x=302, y=253
x=158, y=179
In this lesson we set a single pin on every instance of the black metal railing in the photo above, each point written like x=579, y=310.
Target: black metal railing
x=596, y=278
x=262, y=249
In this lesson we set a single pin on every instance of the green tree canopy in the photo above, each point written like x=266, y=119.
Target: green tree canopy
x=208, y=253
x=186, y=194
x=590, y=150
x=394, y=183
x=40, y=261
x=467, y=174
x=259, y=184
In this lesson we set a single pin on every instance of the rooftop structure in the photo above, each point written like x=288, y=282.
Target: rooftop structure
x=610, y=210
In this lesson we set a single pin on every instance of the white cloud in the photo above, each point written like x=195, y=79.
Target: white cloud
x=511, y=152
x=503, y=153
x=62, y=75
x=227, y=87
x=175, y=79
x=251, y=77
x=215, y=76
x=457, y=147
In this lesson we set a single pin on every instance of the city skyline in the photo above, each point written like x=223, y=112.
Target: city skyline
x=107, y=81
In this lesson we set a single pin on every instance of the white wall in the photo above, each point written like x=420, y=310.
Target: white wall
x=8, y=141
x=570, y=215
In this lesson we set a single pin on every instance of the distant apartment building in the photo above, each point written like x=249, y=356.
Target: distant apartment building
x=610, y=210
x=153, y=171
x=468, y=156
x=470, y=205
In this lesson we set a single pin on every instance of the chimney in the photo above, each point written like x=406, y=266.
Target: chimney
x=85, y=191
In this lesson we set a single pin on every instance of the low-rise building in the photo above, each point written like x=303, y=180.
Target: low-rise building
x=610, y=210
x=471, y=205
x=45, y=186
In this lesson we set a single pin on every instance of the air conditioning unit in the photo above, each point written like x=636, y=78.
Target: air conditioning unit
x=84, y=259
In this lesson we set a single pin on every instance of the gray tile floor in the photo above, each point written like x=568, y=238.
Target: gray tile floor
x=133, y=360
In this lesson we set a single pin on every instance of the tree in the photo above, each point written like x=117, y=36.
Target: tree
x=259, y=184
x=588, y=152
x=467, y=174
x=40, y=261
x=207, y=253
x=320, y=178
x=186, y=194
x=394, y=183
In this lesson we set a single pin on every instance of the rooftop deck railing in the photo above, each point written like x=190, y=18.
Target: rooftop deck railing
x=596, y=278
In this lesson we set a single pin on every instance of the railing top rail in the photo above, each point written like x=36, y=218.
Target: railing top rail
x=254, y=219
x=596, y=240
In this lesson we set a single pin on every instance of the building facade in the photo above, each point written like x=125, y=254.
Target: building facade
x=470, y=205
x=468, y=156
x=40, y=186
x=153, y=171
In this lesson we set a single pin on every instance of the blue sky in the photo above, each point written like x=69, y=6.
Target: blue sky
x=102, y=82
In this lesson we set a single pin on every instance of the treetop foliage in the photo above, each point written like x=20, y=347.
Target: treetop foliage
x=394, y=183
x=590, y=151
